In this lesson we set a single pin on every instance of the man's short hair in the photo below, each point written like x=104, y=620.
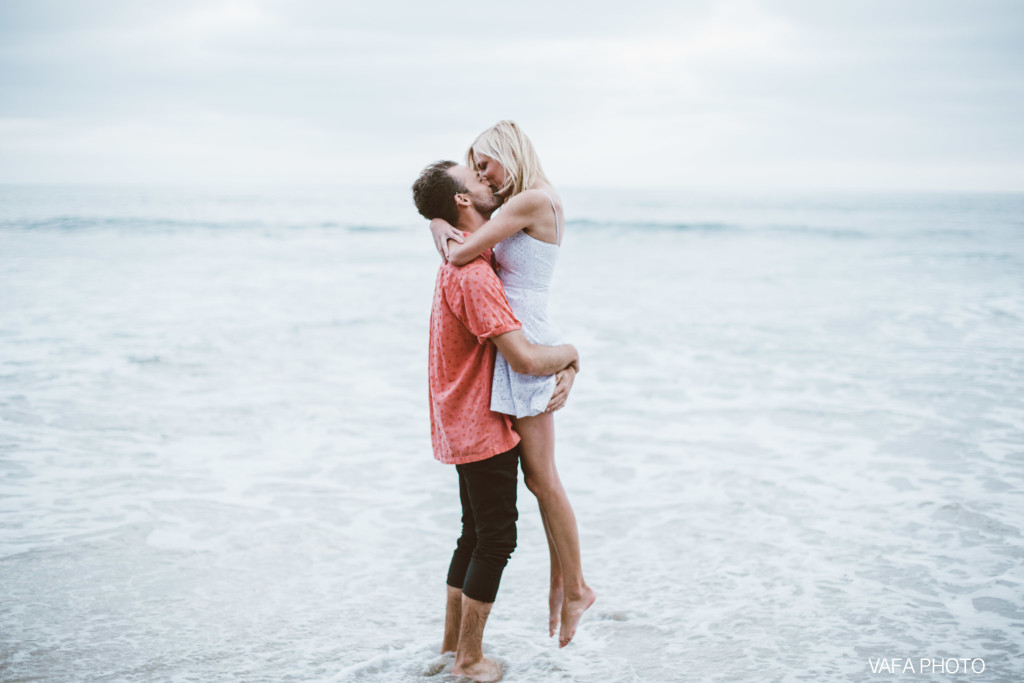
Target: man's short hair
x=434, y=192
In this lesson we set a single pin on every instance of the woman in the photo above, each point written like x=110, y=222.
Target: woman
x=526, y=235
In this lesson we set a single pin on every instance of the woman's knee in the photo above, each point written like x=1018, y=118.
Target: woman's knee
x=534, y=483
x=543, y=484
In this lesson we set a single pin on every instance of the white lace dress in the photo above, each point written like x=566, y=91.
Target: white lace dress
x=525, y=266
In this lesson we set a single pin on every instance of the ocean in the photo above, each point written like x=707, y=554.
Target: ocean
x=795, y=448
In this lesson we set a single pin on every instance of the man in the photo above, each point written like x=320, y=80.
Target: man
x=470, y=320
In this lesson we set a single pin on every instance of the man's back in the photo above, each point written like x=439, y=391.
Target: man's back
x=469, y=308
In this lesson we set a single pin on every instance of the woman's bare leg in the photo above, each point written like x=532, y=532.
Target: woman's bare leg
x=537, y=450
x=556, y=593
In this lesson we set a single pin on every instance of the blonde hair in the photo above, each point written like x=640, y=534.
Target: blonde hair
x=506, y=143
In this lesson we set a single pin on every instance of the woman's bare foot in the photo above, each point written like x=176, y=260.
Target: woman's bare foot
x=554, y=606
x=572, y=610
x=483, y=670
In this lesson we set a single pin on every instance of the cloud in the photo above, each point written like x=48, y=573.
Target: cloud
x=865, y=93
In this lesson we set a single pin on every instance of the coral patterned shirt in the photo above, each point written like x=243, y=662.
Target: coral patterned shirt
x=469, y=308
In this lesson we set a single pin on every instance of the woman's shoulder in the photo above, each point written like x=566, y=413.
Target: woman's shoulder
x=534, y=199
x=536, y=212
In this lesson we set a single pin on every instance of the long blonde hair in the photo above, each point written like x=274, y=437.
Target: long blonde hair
x=508, y=145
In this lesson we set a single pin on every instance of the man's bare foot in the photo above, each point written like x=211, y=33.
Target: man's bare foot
x=554, y=606
x=439, y=664
x=572, y=610
x=483, y=670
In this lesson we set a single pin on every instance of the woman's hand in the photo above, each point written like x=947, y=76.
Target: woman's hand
x=442, y=232
x=563, y=383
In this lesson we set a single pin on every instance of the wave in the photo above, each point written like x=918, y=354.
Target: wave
x=839, y=233
x=653, y=225
x=79, y=222
x=719, y=227
x=72, y=223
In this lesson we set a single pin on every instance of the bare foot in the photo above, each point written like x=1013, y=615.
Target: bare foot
x=572, y=610
x=554, y=606
x=483, y=670
x=439, y=664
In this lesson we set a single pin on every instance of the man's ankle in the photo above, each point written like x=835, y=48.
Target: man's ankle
x=463, y=660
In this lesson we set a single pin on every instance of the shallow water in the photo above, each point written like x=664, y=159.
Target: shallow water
x=796, y=446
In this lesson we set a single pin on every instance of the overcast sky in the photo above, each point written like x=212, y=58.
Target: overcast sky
x=860, y=94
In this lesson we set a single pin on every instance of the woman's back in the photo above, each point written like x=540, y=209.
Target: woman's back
x=526, y=266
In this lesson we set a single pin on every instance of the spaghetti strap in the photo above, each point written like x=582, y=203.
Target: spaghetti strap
x=558, y=232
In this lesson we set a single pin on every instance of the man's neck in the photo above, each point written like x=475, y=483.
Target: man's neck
x=470, y=221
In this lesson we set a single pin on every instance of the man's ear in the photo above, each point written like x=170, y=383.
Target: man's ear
x=462, y=199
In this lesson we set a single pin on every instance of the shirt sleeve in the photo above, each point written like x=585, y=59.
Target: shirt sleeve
x=478, y=301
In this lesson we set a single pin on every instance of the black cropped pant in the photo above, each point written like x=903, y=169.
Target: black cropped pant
x=487, y=489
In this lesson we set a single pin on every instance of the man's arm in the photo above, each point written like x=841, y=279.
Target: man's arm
x=563, y=385
x=527, y=358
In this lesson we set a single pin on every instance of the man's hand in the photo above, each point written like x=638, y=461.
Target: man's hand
x=563, y=383
x=442, y=232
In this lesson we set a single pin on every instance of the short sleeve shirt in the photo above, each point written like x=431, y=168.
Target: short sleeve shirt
x=469, y=308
